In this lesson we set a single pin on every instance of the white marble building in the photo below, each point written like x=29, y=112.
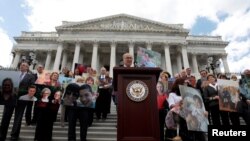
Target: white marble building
x=102, y=41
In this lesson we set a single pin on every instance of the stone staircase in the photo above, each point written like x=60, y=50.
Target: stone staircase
x=99, y=131
x=102, y=130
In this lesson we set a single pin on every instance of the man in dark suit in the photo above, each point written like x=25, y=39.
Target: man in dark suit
x=25, y=80
x=127, y=60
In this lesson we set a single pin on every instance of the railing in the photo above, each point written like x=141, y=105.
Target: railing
x=39, y=34
x=9, y=68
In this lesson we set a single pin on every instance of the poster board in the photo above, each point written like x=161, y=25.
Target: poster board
x=148, y=58
x=228, y=94
x=193, y=110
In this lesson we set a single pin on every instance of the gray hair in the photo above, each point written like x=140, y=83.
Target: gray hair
x=45, y=90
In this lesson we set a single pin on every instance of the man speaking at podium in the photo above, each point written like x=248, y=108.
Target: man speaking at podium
x=134, y=94
x=127, y=60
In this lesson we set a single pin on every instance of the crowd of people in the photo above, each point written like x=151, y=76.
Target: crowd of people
x=90, y=94
x=40, y=95
x=210, y=93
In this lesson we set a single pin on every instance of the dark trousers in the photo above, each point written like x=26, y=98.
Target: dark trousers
x=246, y=115
x=75, y=113
x=44, y=125
x=162, y=115
x=28, y=112
x=215, y=114
x=19, y=110
x=224, y=117
x=103, y=103
x=91, y=116
x=234, y=117
x=7, y=114
x=197, y=136
x=35, y=114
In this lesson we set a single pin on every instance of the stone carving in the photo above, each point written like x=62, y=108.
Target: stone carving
x=125, y=24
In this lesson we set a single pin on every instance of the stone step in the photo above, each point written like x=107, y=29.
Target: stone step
x=57, y=133
x=59, y=128
x=101, y=130
x=31, y=138
x=98, y=124
x=66, y=123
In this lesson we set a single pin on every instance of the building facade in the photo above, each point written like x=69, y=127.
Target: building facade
x=102, y=41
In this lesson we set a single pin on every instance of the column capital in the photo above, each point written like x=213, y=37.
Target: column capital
x=77, y=43
x=16, y=50
x=113, y=43
x=49, y=50
x=194, y=53
x=183, y=44
x=60, y=41
x=165, y=43
x=96, y=42
x=131, y=42
x=224, y=55
x=149, y=45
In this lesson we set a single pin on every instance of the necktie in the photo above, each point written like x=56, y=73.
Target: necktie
x=21, y=76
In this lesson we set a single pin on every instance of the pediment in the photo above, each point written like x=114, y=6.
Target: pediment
x=122, y=22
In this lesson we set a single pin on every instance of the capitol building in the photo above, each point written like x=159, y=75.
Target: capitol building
x=103, y=41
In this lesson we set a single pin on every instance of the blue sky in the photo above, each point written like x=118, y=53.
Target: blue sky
x=14, y=17
x=226, y=18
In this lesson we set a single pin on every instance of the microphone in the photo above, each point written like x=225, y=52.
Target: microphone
x=135, y=64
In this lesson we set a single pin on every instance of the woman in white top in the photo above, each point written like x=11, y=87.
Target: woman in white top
x=175, y=101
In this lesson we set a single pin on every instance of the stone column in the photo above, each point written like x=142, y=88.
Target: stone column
x=217, y=64
x=168, y=59
x=194, y=62
x=178, y=59
x=76, y=56
x=32, y=54
x=184, y=56
x=149, y=46
x=16, y=59
x=225, y=64
x=58, y=57
x=64, y=59
x=131, y=48
x=112, y=58
x=94, y=55
x=48, y=59
x=81, y=58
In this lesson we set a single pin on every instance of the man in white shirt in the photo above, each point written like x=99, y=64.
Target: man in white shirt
x=40, y=75
x=30, y=95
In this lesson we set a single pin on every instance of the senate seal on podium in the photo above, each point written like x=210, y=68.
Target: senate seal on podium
x=137, y=90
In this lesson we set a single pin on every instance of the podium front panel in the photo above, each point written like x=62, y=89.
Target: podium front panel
x=137, y=120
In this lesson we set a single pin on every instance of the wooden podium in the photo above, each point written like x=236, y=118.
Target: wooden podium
x=138, y=118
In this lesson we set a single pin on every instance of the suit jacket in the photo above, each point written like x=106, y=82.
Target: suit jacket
x=210, y=92
x=27, y=80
